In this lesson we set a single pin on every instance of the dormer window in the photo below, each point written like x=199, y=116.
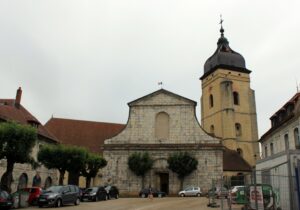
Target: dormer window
x=33, y=123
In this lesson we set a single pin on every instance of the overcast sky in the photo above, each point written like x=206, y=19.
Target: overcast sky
x=87, y=59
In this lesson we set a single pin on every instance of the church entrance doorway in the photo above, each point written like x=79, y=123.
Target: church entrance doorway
x=164, y=182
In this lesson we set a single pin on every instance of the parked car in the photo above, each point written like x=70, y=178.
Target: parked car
x=218, y=192
x=6, y=200
x=237, y=194
x=59, y=195
x=112, y=192
x=94, y=194
x=34, y=194
x=190, y=191
x=156, y=193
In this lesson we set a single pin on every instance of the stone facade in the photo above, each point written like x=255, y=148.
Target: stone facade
x=162, y=123
x=26, y=171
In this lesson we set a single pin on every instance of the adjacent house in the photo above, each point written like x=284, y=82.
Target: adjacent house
x=12, y=110
x=280, y=161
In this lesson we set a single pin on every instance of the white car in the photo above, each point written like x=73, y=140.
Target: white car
x=190, y=191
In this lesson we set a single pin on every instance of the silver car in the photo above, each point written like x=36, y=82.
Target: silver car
x=191, y=191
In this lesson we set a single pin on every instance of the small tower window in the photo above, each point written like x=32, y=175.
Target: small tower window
x=238, y=129
x=236, y=99
x=212, y=129
x=211, y=101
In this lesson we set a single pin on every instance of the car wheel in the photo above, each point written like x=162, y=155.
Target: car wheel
x=198, y=195
x=77, y=202
x=58, y=203
x=182, y=195
x=143, y=195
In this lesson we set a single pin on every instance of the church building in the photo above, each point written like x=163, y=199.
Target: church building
x=161, y=124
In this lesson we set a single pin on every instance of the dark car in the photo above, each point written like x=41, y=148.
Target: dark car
x=6, y=201
x=112, y=192
x=156, y=193
x=59, y=195
x=94, y=194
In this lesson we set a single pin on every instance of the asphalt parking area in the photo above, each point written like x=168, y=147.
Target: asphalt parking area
x=167, y=203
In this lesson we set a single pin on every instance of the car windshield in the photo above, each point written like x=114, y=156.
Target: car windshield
x=54, y=189
x=92, y=189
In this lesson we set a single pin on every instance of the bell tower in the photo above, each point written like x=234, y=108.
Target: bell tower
x=228, y=108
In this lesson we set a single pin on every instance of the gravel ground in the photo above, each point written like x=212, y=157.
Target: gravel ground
x=168, y=203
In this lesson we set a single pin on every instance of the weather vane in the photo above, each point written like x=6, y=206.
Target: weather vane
x=160, y=84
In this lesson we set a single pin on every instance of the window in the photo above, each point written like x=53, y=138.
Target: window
x=272, y=148
x=212, y=129
x=266, y=151
x=297, y=138
x=286, y=141
x=162, y=126
x=238, y=129
x=240, y=151
x=236, y=99
x=211, y=101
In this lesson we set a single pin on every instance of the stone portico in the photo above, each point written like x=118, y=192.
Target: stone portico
x=162, y=123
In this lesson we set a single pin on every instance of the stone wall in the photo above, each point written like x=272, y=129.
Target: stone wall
x=118, y=173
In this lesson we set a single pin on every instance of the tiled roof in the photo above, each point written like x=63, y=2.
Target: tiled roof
x=83, y=133
x=232, y=161
x=8, y=111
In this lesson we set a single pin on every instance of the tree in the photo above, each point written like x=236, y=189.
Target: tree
x=140, y=164
x=17, y=142
x=93, y=163
x=54, y=157
x=182, y=164
x=76, y=161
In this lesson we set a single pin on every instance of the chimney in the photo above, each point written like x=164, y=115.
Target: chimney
x=18, y=98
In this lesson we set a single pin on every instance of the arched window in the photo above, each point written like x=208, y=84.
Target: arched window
x=48, y=182
x=240, y=151
x=238, y=129
x=297, y=138
x=236, y=99
x=211, y=101
x=212, y=129
x=162, y=125
x=23, y=180
x=286, y=141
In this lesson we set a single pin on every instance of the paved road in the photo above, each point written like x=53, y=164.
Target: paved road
x=169, y=203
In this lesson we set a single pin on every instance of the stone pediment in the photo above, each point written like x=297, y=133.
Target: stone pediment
x=162, y=97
